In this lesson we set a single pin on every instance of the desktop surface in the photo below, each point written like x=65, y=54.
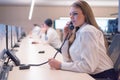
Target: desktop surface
x=29, y=54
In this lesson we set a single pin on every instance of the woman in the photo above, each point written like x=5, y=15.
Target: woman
x=86, y=52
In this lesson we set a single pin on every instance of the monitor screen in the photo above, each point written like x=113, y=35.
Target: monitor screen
x=2, y=39
x=14, y=36
x=60, y=23
x=103, y=23
x=9, y=41
x=19, y=33
x=2, y=45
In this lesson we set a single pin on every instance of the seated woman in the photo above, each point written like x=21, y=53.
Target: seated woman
x=86, y=50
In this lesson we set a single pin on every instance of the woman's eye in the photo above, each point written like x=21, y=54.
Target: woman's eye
x=74, y=14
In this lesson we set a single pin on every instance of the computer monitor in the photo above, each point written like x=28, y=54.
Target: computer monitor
x=19, y=33
x=112, y=26
x=2, y=40
x=103, y=23
x=11, y=40
x=14, y=36
x=8, y=37
x=2, y=45
x=60, y=23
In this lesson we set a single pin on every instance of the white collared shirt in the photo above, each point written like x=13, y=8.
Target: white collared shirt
x=52, y=38
x=88, y=52
x=36, y=30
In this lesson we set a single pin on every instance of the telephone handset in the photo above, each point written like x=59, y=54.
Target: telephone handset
x=71, y=27
x=13, y=57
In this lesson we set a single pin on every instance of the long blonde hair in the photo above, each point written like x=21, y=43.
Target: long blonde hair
x=88, y=13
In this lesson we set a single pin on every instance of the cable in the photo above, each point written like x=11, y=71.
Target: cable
x=23, y=66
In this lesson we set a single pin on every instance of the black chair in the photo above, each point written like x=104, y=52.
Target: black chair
x=114, y=52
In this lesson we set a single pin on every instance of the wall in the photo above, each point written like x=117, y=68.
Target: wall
x=18, y=15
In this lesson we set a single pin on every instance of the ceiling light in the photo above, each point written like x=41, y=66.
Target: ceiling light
x=31, y=9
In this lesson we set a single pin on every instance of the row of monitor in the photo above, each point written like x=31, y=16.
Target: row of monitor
x=9, y=37
x=108, y=25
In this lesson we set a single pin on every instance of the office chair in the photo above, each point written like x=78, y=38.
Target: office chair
x=114, y=53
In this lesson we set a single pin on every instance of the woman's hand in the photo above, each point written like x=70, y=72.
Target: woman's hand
x=67, y=30
x=54, y=64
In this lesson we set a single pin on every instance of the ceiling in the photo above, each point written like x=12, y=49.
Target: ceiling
x=59, y=2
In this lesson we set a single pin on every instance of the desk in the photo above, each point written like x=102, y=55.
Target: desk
x=28, y=54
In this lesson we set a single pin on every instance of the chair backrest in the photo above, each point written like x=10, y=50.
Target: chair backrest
x=114, y=51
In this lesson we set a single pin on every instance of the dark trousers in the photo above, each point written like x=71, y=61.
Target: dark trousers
x=110, y=74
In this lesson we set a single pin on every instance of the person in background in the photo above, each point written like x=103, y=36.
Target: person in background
x=35, y=31
x=50, y=35
x=85, y=50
